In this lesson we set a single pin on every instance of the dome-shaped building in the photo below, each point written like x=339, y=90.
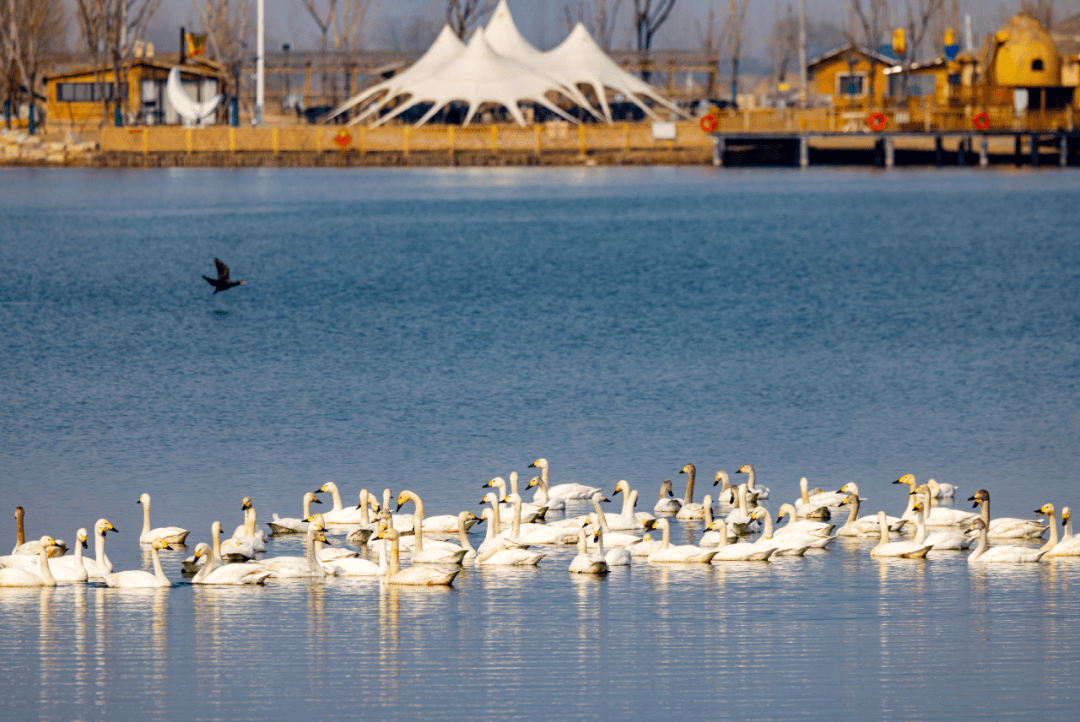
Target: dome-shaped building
x=1026, y=55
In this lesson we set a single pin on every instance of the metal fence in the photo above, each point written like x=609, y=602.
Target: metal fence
x=912, y=120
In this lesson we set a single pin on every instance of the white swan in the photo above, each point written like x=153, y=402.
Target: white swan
x=751, y=483
x=791, y=540
x=689, y=510
x=899, y=549
x=1005, y=527
x=528, y=534
x=493, y=542
x=726, y=495
x=940, y=490
x=138, y=579
x=298, y=567
x=867, y=526
x=365, y=530
x=668, y=553
x=100, y=565
x=197, y=561
x=739, y=519
x=630, y=499
x=645, y=547
x=933, y=515
x=785, y=546
x=726, y=552
x=56, y=549
x=542, y=498
x=563, y=491
x=614, y=539
x=817, y=498
x=289, y=525
x=713, y=530
x=805, y=508
x=338, y=514
x=332, y=553
x=948, y=540
x=431, y=555
x=514, y=556
x=667, y=503
x=584, y=563
x=171, y=535
x=1067, y=547
x=801, y=526
x=1000, y=554
x=16, y=577
x=1066, y=523
x=234, y=574
x=71, y=569
x=413, y=576
x=619, y=557
x=529, y=512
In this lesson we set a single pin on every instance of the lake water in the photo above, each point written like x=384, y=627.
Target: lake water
x=429, y=330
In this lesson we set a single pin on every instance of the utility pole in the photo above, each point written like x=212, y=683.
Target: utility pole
x=804, y=94
x=260, y=68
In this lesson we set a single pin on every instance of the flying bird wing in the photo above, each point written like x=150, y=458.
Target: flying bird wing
x=222, y=270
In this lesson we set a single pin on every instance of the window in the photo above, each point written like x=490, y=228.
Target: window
x=85, y=92
x=1037, y=64
x=851, y=86
x=954, y=79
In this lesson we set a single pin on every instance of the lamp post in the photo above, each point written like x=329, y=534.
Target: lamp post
x=288, y=76
x=260, y=63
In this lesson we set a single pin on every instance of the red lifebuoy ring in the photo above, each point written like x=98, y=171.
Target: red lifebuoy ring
x=708, y=123
x=981, y=121
x=876, y=121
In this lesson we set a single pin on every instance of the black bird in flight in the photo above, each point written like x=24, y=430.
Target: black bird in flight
x=222, y=282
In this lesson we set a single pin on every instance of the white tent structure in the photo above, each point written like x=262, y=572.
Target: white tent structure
x=500, y=67
x=580, y=56
x=446, y=47
x=478, y=76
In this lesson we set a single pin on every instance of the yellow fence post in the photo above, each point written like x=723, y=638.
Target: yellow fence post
x=626, y=143
x=145, y=141
x=494, y=139
x=187, y=140
x=405, y=139
x=232, y=139
x=450, y=141
x=581, y=138
x=363, y=140
x=275, y=141
x=538, y=133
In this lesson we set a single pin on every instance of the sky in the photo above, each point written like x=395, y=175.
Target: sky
x=542, y=21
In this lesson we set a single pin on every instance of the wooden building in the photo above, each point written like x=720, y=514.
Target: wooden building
x=74, y=95
x=851, y=76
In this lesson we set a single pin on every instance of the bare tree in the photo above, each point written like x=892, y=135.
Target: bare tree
x=711, y=42
x=28, y=29
x=920, y=13
x=648, y=19
x=464, y=16
x=734, y=36
x=870, y=19
x=1041, y=10
x=226, y=26
x=125, y=22
x=346, y=21
x=785, y=42
x=598, y=17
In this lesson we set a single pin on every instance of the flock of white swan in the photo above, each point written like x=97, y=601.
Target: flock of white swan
x=516, y=532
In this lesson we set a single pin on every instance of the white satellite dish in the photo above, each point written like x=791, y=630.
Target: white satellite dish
x=190, y=110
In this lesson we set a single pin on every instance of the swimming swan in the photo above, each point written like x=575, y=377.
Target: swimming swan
x=542, y=498
x=933, y=515
x=584, y=563
x=667, y=503
x=1068, y=547
x=948, y=540
x=806, y=508
x=1005, y=527
x=619, y=557
x=941, y=491
x=711, y=538
x=726, y=495
x=413, y=576
x=338, y=514
x=614, y=539
x=298, y=567
x=866, y=526
x=493, y=542
x=196, y=561
x=72, y=569
x=563, y=491
x=680, y=554
x=234, y=574
x=138, y=579
x=431, y=555
x=726, y=552
x=56, y=549
x=900, y=549
x=529, y=512
x=16, y=577
x=171, y=535
x=289, y=525
x=1000, y=554
x=801, y=526
x=792, y=540
x=751, y=483
x=689, y=510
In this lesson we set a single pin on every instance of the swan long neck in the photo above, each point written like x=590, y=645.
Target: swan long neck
x=490, y=531
x=158, y=571
x=744, y=507
x=513, y=482
x=495, y=514
x=910, y=509
x=750, y=478
x=600, y=544
x=463, y=538
x=689, y=487
x=386, y=499
x=395, y=556
x=984, y=513
x=665, y=540
x=312, y=559
x=146, y=517
x=515, y=528
x=20, y=531
x=249, y=521
x=707, y=503
x=1045, y=547
x=883, y=526
x=601, y=517
x=544, y=474
x=663, y=490
x=78, y=554
x=768, y=525
x=1067, y=528
x=208, y=568
x=920, y=527
x=627, y=507
x=984, y=545
x=418, y=522
x=581, y=542
x=384, y=567
x=542, y=494
x=853, y=514
x=307, y=505
x=217, y=540
x=803, y=488
x=99, y=549
x=365, y=520
x=46, y=573
x=337, y=497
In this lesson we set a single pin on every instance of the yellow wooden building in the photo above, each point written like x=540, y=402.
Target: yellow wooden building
x=842, y=77
x=74, y=94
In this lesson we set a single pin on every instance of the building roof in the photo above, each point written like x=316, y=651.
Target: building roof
x=852, y=48
x=205, y=68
